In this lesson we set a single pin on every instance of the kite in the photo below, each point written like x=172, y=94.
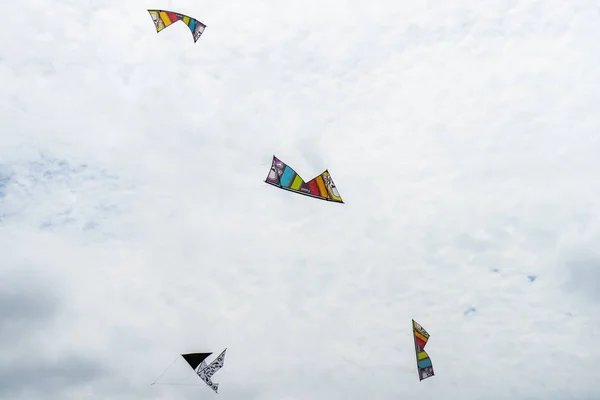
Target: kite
x=198, y=363
x=205, y=372
x=424, y=365
x=320, y=187
x=162, y=19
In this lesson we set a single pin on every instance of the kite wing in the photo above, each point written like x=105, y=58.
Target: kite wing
x=284, y=177
x=195, y=359
x=162, y=19
x=424, y=365
x=209, y=370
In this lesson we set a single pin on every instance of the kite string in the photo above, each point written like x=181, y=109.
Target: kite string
x=180, y=384
x=164, y=371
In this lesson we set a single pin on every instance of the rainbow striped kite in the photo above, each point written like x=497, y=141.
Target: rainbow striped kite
x=162, y=19
x=284, y=177
x=424, y=365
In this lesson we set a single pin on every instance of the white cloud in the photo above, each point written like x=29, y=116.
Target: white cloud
x=135, y=226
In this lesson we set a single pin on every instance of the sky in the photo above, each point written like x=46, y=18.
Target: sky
x=135, y=224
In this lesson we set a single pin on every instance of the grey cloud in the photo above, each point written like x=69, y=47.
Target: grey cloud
x=23, y=306
x=28, y=301
x=37, y=376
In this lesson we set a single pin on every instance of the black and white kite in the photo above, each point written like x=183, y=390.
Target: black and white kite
x=198, y=363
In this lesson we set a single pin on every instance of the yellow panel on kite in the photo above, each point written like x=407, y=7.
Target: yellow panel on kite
x=423, y=338
x=321, y=186
x=165, y=18
x=297, y=183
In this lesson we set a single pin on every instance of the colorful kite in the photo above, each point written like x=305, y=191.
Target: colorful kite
x=284, y=177
x=424, y=365
x=163, y=19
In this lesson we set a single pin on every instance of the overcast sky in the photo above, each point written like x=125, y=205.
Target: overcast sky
x=135, y=224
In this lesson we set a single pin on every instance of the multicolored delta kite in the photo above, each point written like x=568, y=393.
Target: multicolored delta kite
x=424, y=365
x=284, y=177
x=162, y=19
x=205, y=372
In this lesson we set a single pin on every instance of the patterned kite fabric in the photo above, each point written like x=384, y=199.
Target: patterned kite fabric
x=321, y=187
x=162, y=19
x=205, y=372
x=424, y=365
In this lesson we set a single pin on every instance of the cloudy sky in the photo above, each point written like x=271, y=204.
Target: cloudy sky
x=135, y=224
